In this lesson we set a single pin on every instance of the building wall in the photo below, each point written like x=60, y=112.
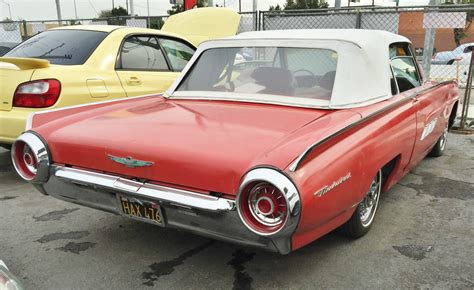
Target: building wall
x=411, y=26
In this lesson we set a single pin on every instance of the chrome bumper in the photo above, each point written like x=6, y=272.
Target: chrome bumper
x=206, y=215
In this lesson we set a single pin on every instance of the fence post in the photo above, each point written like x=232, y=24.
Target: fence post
x=430, y=34
x=25, y=30
x=467, y=94
x=256, y=16
x=358, y=20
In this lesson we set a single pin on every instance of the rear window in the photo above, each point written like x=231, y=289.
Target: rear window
x=64, y=47
x=280, y=71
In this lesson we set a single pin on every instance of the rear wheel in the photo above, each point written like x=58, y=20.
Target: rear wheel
x=363, y=217
x=438, y=149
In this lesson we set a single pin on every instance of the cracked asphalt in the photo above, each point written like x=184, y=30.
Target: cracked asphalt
x=423, y=237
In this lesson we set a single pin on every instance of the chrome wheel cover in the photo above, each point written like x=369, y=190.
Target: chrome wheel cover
x=368, y=206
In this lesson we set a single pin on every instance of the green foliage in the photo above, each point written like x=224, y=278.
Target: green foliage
x=117, y=11
x=177, y=8
x=460, y=33
x=202, y=3
x=275, y=8
x=156, y=23
x=301, y=4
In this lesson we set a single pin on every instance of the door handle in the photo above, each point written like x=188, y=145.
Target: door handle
x=134, y=81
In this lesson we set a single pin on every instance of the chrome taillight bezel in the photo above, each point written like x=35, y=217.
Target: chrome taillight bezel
x=284, y=185
x=39, y=150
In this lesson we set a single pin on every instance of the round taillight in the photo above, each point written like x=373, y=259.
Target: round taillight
x=266, y=201
x=24, y=160
x=30, y=158
x=267, y=204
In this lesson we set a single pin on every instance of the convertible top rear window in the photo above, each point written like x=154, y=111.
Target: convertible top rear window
x=280, y=71
x=64, y=47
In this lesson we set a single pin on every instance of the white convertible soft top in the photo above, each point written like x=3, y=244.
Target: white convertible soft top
x=363, y=67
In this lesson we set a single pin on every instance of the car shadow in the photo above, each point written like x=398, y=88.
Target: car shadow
x=5, y=160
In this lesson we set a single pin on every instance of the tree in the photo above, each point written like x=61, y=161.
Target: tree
x=202, y=3
x=460, y=33
x=275, y=8
x=117, y=11
x=301, y=4
x=156, y=23
x=176, y=9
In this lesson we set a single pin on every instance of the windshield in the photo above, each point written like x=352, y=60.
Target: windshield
x=64, y=47
x=280, y=71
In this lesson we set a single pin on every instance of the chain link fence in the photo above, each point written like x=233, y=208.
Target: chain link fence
x=248, y=22
x=17, y=31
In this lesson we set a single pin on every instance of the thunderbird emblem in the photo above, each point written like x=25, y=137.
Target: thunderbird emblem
x=129, y=161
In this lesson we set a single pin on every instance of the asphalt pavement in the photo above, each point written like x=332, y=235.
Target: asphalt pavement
x=423, y=237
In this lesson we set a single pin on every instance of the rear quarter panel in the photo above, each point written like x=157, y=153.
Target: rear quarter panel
x=360, y=152
x=82, y=84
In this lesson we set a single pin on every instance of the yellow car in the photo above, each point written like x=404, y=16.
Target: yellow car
x=81, y=64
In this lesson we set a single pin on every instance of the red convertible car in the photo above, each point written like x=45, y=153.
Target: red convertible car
x=268, y=139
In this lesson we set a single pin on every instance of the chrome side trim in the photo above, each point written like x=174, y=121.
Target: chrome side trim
x=29, y=121
x=295, y=165
x=148, y=190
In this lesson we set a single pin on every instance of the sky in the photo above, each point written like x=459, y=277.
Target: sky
x=46, y=9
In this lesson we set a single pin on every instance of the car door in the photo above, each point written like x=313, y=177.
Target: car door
x=428, y=105
x=143, y=67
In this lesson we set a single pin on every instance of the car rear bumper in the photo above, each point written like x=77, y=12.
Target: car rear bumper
x=12, y=124
x=202, y=214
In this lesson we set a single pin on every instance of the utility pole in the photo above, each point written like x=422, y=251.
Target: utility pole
x=148, y=7
x=210, y=3
x=132, y=10
x=58, y=11
x=75, y=9
x=430, y=34
x=9, y=8
x=240, y=6
x=254, y=5
x=337, y=4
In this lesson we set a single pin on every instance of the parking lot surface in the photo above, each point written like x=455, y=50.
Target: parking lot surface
x=423, y=236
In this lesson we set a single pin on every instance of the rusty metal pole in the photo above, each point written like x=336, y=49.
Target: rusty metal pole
x=467, y=94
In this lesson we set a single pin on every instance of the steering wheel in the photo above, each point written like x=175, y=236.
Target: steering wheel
x=304, y=70
x=306, y=80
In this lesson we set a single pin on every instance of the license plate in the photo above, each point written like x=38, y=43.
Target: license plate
x=141, y=209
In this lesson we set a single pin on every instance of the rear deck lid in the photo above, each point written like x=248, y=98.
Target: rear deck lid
x=201, y=24
x=14, y=71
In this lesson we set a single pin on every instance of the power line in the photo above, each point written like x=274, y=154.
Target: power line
x=92, y=5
